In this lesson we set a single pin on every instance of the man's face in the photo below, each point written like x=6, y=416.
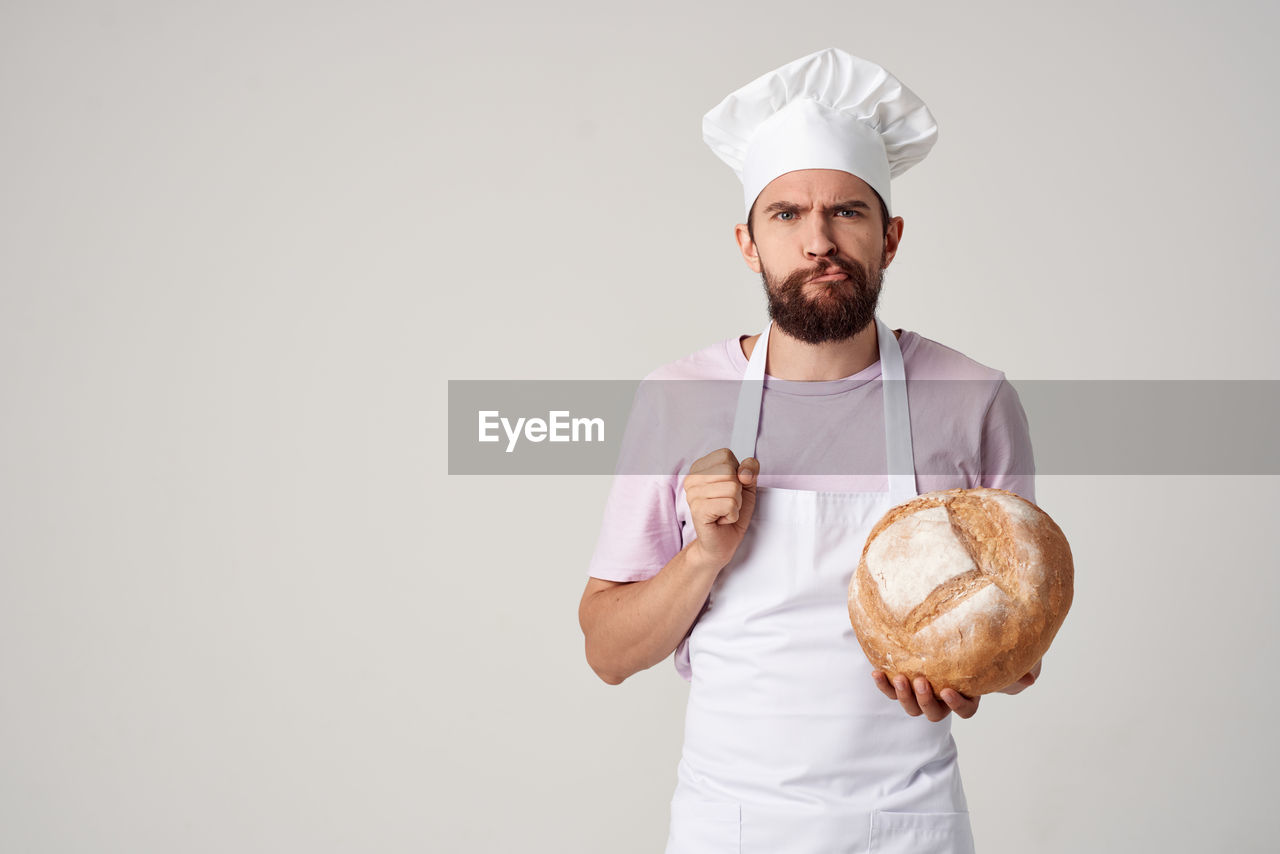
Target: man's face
x=818, y=242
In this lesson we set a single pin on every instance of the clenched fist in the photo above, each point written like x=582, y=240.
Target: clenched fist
x=722, y=497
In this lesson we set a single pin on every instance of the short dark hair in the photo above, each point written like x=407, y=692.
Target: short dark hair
x=884, y=217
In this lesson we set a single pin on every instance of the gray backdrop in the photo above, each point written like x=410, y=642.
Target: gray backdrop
x=243, y=607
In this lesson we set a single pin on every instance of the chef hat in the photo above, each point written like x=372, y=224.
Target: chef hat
x=827, y=110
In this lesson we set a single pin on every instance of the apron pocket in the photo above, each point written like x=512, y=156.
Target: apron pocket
x=921, y=833
x=704, y=827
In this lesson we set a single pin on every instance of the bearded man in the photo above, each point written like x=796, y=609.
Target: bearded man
x=738, y=561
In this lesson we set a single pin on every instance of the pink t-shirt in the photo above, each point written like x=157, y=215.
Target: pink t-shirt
x=968, y=429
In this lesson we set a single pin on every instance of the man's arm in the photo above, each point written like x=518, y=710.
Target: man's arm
x=632, y=625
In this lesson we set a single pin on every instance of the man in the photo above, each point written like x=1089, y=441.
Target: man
x=739, y=560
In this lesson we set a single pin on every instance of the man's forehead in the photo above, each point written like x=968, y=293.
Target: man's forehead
x=815, y=185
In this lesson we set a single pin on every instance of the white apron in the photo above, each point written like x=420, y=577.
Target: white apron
x=789, y=746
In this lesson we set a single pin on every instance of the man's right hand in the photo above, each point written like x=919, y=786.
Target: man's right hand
x=722, y=498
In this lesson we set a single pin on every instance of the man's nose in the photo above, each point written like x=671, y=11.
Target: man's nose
x=818, y=242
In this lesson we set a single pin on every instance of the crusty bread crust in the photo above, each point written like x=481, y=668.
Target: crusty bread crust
x=980, y=629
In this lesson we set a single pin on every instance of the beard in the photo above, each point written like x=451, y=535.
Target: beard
x=840, y=310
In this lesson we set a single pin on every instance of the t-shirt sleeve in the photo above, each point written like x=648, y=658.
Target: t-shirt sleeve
x=1007, y=458
x=640, y=532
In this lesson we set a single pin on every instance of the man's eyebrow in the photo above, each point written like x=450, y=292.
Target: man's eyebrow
x=778, y=207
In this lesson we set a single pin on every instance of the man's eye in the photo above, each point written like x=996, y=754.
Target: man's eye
x=785, y=214
x=850, y=211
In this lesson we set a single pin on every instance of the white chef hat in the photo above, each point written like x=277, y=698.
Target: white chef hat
x=827, y=110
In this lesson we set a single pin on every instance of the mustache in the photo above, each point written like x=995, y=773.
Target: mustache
x=855, y=271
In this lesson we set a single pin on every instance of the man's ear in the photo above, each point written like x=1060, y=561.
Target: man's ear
x=892, y=237
x=747, y=246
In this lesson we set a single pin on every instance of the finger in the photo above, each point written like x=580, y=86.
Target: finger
x=929, y=704
x=722, y=511
x=717, y=489
x=1024, y=682
x=749, y=471
x=959, y=703
x=906, y=696
x=718, y=502
x=720, y=461
x=882, y=682
x=726, y=475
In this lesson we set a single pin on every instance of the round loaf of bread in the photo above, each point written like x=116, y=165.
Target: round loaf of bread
x=965, y=587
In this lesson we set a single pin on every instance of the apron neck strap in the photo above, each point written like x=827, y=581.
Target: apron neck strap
x=897, y=417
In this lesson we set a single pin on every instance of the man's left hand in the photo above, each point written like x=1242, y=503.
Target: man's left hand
x=920, y=699
x=1028, y=679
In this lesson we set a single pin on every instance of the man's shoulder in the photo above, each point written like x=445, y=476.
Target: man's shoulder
x=929, y=359
x=713, y=362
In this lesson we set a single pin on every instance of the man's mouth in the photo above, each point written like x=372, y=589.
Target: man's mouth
x=830, y=276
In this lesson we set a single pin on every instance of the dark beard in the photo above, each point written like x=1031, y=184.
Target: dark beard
x=844, y=310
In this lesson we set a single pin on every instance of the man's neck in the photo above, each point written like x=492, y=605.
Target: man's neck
x=792, y=359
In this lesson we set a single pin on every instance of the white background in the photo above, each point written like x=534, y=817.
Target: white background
x=243, y=607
